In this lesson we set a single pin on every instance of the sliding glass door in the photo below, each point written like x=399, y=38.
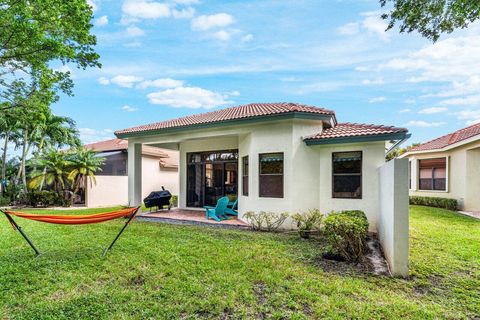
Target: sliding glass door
x=210, y=176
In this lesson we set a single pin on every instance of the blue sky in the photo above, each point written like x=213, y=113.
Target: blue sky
x=170, y=58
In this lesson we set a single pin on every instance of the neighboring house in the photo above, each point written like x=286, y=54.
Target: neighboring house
x=280, y=157
x=448, y=167
x=111, y=188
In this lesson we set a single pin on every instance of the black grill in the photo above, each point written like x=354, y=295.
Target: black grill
x=158, y=199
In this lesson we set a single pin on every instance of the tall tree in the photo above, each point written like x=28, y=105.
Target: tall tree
x=36, y=33
x=431, y=18
x=54, y=169
x=84, y=164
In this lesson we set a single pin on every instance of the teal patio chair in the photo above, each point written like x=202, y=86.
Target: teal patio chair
x=217, y=213
x=232, y=208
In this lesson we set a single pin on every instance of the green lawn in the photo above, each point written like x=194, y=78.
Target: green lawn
x=166, y=271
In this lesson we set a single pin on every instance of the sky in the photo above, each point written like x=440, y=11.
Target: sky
x=170, y=58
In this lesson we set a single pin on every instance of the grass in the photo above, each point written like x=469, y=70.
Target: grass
x=171, y=272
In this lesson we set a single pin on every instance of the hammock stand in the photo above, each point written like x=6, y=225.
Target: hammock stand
x=70, y=220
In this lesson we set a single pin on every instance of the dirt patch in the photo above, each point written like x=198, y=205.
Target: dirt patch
x=259, y=291
x=372, y=263
x=136, y=281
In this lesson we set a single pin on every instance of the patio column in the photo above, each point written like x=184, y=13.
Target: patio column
x=134, y=174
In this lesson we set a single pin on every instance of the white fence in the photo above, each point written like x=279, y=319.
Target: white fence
x=392, y=223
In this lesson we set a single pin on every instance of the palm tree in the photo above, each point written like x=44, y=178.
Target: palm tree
x=54, y=169
x=84, y=164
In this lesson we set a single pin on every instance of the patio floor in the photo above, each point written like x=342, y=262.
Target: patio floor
x=195, y=217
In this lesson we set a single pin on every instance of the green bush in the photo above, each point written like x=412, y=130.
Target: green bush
x=265, y=221
x=346, y=232
x=174, y=201
x=308, y=221
x=450, y=204
x=45, y=199
x=4, y=201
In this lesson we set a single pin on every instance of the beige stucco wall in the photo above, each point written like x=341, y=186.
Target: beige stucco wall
x=373, y=156
x=463, y=175
x=113, y=190
x=307, y=169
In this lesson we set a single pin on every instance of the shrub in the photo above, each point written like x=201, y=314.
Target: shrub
x=450, y=204
x=308, y=221
x=346, y=232
x=265, y=221
x=174, y=201
x=4, y=201
x=45, y=198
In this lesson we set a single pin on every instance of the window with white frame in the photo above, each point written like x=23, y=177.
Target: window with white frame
x=432, y=174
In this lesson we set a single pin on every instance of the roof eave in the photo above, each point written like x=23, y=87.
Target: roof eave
x=356, y=139
x=273, y=117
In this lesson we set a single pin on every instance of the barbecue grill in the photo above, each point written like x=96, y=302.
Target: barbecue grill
x=158, y=199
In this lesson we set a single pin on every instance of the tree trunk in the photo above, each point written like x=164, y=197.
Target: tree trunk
x=4, y=162
x=21, y=171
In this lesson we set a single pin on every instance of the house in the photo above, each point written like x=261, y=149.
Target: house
x=280, y=157
x=448, y=167
x=111, y=187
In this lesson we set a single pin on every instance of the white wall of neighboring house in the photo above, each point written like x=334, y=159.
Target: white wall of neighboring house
x=113, y=190
x=463, y=175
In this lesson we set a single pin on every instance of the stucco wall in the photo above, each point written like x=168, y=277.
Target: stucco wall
x=392, y=222
x=373, y=157
x=113, y=190
x=108, y=191
x=463, y=175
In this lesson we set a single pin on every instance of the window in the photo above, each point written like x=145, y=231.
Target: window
x=433, y=174
x=347, y=175
x=271, y=175
x=245, y=176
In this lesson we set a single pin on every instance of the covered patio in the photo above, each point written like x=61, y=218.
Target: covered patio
x=191, y=217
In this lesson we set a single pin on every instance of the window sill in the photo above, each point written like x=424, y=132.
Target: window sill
x=433, y=191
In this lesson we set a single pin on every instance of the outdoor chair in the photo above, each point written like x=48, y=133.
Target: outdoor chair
x=217, y=213
x=232, y=208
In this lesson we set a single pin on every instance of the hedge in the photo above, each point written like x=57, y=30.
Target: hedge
x=450, y=204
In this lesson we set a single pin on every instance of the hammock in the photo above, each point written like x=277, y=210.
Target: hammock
x=72, y=220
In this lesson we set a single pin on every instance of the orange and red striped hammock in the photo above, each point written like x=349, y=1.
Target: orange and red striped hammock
x=71, y=220
x=75, y=219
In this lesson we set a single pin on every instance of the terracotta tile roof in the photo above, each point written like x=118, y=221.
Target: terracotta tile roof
x=120, y=144
x=233, y=113
x=343, y=130
x=449, y=139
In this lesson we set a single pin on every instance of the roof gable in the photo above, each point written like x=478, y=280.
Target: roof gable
x=243, y=112
x=449, y=139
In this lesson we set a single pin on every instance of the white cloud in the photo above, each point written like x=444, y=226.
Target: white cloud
x=127, y=108
x=185, y=13
x=374, y=24
x=349, y=28
x=406, y=110
x=221, y=35
x=188, y=97
x=134, y=31
x=247, y=38
x=452, y=60
x=103, y=81
x=471, y=100
x=368, y=82
x=410, y=101
x=160, y=83
x=146, y=9
x=125, y=81
x=377, y=99
x=433, y=110
x=423, y=124
x=471, y=116
x=207, y=22
x=89, y=135
x=102, y=21
x=93, y=4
